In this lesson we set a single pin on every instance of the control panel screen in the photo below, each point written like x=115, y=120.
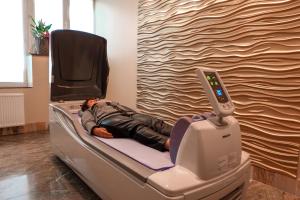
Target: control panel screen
x=216, y=86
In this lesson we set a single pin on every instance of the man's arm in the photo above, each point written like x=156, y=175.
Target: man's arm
x=88, y=122
x=121, y=107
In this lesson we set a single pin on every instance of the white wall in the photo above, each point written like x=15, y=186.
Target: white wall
x=117, y=22
x=36, y=98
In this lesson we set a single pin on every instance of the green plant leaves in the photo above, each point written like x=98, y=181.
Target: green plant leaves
x=39, y=29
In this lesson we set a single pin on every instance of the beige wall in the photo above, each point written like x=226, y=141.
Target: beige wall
x=36, y=98
x=255, y=47
x=117, y=22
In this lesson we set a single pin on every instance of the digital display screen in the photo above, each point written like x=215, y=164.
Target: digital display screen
x=219, y=92
x=216, y=86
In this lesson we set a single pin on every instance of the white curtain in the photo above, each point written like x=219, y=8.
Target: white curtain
x=50, y=11
x=82, y=15
x=12, y=46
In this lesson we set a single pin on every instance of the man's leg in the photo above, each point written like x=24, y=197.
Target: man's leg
x=151, y=138
x=124, y=126
x=154, y=123
x=119, y=125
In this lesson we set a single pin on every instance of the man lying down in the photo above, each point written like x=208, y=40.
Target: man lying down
x=111, y=120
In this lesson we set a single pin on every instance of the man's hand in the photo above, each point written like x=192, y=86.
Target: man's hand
x=102, y=132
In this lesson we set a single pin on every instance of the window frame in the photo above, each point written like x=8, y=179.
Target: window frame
x=66, y=13
x=28, y=12
x=66, y=19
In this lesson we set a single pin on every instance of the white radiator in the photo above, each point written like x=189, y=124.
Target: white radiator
x=11, y=109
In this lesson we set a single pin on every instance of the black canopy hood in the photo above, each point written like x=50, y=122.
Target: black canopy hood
x=79, y=65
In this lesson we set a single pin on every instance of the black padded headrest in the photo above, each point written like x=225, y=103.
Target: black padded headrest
x=79, y=65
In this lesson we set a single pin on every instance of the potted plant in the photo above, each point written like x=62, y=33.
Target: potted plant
x=40, y=32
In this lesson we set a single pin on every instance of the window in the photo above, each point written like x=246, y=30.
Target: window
x=67, y=14
x=50, y=11
x=81, y=15
x=17, y=41
x=12, y=49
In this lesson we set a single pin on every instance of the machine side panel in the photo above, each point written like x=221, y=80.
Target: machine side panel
x=208, y=150
x=179, y=179
x=108, y=180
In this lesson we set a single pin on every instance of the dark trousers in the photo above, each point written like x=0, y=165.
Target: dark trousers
x=147, y=130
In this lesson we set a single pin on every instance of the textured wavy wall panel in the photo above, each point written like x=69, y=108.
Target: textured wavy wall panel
x=255, y=45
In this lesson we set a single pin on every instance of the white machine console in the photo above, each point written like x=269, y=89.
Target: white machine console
x=216, y=92
x=212, y=147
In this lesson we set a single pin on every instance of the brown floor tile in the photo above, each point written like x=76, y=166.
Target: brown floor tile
x=260, y=191
x=30, y=171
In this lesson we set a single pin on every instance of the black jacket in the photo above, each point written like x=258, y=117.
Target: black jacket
x=124, y=122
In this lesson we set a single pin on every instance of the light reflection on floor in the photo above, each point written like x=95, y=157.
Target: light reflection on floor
x=30, y=171
x=18, y=184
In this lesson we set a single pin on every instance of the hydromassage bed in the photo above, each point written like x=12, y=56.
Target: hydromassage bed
x=200, y=164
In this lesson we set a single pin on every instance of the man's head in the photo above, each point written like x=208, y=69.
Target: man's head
x=88, y=103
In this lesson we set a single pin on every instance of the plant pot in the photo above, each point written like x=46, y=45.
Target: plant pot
x=41, y=46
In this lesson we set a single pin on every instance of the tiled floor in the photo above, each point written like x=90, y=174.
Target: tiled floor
x=257, y=191
x=30, y=171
